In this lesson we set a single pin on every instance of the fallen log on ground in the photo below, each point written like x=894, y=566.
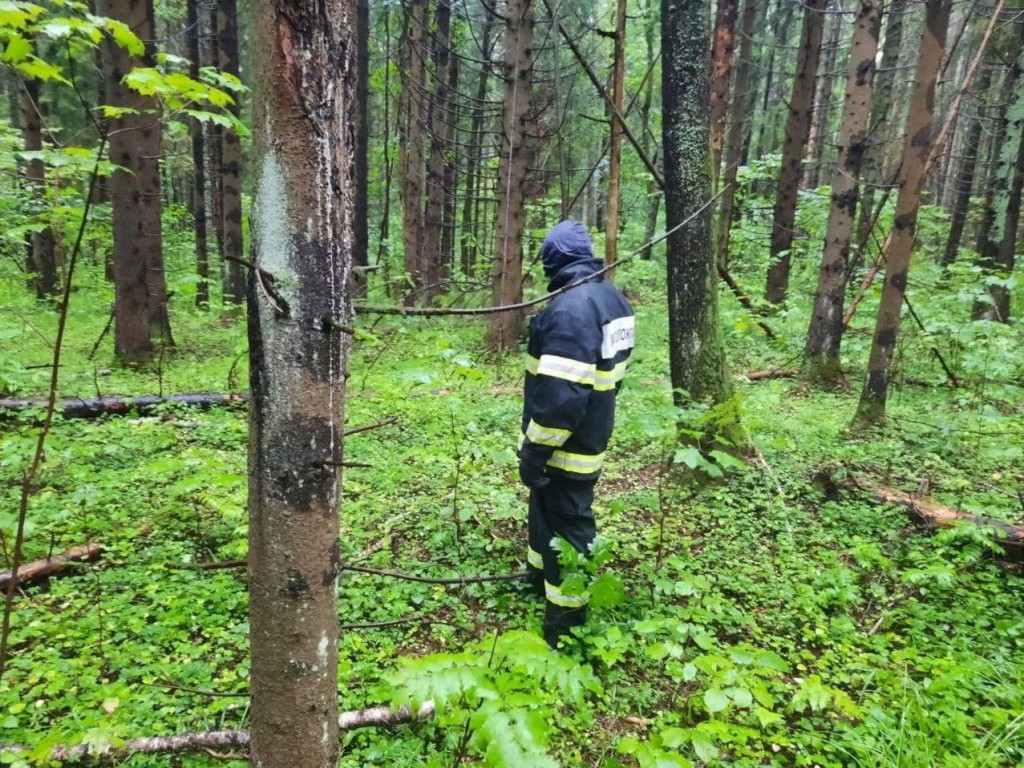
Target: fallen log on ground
x=1009, y=535
x=38, y=570
x=76, y=408
x=202, y=741
x=775, y=373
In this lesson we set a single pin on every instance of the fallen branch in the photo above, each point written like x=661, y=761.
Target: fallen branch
x=775, y=373
x=214, y=566
x=51, y=566
x=201, y=741
x=745, y=301
x=1009, y=535
x=75, y=408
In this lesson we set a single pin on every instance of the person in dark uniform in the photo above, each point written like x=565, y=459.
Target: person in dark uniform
x=578, y=351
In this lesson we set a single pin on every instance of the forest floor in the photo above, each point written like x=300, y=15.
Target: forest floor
x=780, y=616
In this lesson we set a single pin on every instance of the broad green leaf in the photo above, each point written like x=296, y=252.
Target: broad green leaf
x=715, y=699
x=17, y=49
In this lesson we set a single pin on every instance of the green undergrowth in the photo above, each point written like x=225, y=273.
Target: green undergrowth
x=778, y=616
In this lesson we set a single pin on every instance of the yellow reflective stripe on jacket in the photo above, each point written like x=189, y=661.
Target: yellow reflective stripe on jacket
x=555, y=595
x=605, y=380
x=582, y=463
x=535, y=433
x=531, y=364
x=535, y=558
x=566, y=368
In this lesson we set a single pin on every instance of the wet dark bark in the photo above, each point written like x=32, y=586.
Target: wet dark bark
x=968, y=165
x=412, y=139
x=654, y=192
x=916, y=149
x=231, y=159
x=696, y=354
x=738, y=116
x=611, y=223
x=198, y=196
x=361, y=245
x=510, y=220
x=41, y=245
x=141, y=319
x=819, y=138
x=821, y=352
x=302, y=225
x=797, y=127
x=721, y=69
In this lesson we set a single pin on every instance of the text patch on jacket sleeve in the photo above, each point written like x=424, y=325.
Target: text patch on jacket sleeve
x=616, y=336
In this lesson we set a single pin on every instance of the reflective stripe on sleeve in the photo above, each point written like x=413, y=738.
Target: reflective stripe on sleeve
x=531, y=364
x=535, y=433
x=566, y=368
x=535, y=559
x=606, y=380
x=555, y=595
x=581, y=463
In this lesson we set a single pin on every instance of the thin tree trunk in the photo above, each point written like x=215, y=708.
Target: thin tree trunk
x=140, y=307
x=198, y=196
x=412, y=129
x=883, y=128
x=507, y=286
x=302, y=236
x=696, y=354
x=42, y=244
x=964, y=184
x=451, y=172
x=797, y=128
x=780, y=22
x=821, y=352
x=721, y=70
x=917, y=148
x=819, y=137
x=361, y=224
x=214, y=141
x=611, y=230
x=470, y=225
x=231, y=159
x=738, y=115
x=439, y=121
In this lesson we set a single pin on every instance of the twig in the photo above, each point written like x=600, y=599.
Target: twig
x=745, y=301
x=368, y=427
x=37, y=458
x=214, y=566
x=379, y=624
x=431, y=580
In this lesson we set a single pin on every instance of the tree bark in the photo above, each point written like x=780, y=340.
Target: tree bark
x=611, y=224
x=738, y=115
x=916, y=151
x=797, y=127
x=412, y=138
x=968, y=165
x=440, y=119
x=141, y=317
x=361, y=245
x=29, y=573
x=821, y=352
x=198, y=197
x=721, y=70
x=696, y=354
x=231, y=159
x=302, y=236
x=654, y=192
x=883, y=127
x=468, y=246
x=42, y=244
x=507, y=285
x=819, y=137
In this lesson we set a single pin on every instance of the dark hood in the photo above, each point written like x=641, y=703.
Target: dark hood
x=567, y=254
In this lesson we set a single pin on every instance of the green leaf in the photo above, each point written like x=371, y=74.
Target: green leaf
x=17, y=49
x=122, y=34
x=41, y=70
x=690, y=457
x=715, y=699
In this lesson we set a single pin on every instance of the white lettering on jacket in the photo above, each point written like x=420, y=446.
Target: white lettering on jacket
x=616, y=336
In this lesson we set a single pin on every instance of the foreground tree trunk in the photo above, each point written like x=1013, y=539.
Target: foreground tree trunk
x=916, y=149
x=821, y=352
x=797, y=127
x=302, y=235
x=696, y=354
x=141, y=318
x=231, y=159
x=507, y=286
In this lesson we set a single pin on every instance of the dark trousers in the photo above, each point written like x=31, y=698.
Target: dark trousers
x=564, y=509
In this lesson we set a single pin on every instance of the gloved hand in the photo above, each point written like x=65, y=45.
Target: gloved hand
x=533, y=473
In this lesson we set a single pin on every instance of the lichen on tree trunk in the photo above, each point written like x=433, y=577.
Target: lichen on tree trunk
x=302, y=241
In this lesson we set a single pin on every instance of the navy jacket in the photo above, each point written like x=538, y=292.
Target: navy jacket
x=577, y=355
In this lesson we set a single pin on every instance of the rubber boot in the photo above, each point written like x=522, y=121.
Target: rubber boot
x=559, y=621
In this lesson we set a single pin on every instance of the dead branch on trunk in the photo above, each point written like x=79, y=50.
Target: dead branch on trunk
x=745, y=301
x=202, y=741
x=1009, y=535
x=38, y=570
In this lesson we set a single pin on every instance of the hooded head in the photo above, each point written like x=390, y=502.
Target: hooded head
x=568, y=245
